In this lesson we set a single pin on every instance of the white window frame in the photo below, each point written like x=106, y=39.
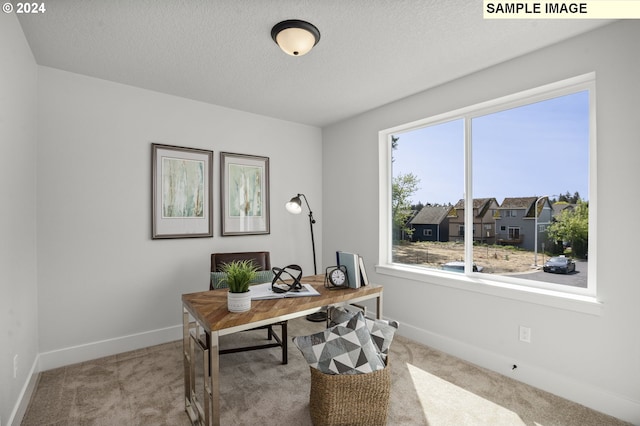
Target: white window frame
x=560, y=296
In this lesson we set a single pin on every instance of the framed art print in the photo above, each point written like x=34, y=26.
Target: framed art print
x=181, y=192
x=244, y=190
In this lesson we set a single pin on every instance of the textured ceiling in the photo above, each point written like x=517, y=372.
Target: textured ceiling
x=371, y=52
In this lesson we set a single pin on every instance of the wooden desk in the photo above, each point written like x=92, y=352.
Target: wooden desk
x=205, y=315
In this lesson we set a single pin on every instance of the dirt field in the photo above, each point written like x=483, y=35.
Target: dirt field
x=494, y=259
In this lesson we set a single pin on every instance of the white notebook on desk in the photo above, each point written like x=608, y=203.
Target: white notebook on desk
x=263, y=291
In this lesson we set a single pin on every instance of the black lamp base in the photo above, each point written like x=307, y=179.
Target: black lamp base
x=317, y=316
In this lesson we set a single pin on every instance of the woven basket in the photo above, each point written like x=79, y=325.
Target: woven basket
x=349, y=399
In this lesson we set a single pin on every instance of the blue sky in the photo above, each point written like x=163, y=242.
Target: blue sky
x=533, y=150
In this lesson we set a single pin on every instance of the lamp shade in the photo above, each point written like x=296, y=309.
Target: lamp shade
x=295, y=37
x=294, y=206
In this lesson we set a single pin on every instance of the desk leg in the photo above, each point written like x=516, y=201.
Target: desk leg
x=212, y=378
x=186, y=359
x=189, y=367
x=210, y=413
x=379, y=307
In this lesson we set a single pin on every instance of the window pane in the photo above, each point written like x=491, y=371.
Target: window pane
x=534, y=161
x=428, y=180
x=530, y=170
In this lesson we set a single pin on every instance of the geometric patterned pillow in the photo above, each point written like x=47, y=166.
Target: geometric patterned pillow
x=262, y=277
x=382, y=331
x=346, y=348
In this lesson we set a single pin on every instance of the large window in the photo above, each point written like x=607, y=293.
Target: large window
x=514, y=173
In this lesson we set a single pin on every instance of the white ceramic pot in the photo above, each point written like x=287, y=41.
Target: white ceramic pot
x=239, y=302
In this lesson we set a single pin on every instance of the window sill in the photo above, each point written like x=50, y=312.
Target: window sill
x=476, y=283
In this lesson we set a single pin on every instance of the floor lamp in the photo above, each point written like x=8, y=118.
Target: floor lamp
x=294, y=206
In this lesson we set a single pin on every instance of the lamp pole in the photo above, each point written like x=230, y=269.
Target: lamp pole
x=535, y=237
x=294, y=206
x=312, y=221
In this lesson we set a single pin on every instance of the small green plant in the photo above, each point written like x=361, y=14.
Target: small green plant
x=239, y=273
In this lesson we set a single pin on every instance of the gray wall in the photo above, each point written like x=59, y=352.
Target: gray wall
x=18, y=292
x=104, y=284
x=590, y=358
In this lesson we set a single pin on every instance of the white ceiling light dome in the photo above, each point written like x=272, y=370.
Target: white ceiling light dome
x=295, y=37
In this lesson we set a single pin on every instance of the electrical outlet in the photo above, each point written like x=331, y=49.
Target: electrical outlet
x=15, y=366
x=525, y=334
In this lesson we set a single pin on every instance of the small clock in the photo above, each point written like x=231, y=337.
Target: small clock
x=336, y=277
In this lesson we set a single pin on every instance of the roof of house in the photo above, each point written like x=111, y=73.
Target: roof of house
x=479, y=204
x=522, y=203
x=431, y=215
x=558, y=208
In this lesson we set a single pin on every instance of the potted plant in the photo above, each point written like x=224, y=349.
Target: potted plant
x=238, y=275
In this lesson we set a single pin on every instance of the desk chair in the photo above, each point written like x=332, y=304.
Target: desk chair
x=262, y=260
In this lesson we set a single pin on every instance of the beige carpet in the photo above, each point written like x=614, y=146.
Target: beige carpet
x=145, y=387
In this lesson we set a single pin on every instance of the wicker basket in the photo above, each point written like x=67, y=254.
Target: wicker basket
x=349, y=399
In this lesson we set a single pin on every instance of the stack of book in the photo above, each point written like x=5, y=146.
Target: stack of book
x=356, y=273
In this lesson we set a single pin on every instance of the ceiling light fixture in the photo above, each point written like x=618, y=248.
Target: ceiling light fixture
x=295, y=37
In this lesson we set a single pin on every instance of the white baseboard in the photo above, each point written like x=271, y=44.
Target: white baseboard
x=25, y=395
x=102, y=348
x=583, y=393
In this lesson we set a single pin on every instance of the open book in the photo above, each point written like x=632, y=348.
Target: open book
x=263, y=291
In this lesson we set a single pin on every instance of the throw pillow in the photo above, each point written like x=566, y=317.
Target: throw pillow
x=218, y=277
x=346, y=348
x=382, y=331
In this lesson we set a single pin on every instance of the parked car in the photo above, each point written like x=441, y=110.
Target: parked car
x=458, y=266
x=559, y=264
